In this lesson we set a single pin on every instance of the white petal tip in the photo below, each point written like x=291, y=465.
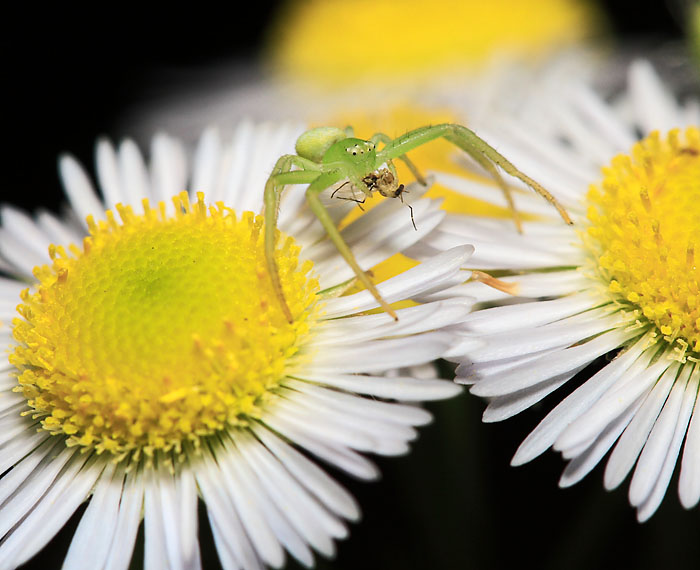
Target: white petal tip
x=689, y=502
x=523, y=456
x=447, y=391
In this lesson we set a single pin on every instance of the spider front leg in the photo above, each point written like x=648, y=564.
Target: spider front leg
x=386, y=139
x=315, y=188
x=281, y=176
x=475, y=147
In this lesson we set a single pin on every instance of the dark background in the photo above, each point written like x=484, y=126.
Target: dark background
x=454, y=502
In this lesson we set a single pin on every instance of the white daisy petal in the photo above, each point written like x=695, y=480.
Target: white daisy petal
x=279, y=527
x=11, y=403
x=689, y=482
x=347, y=404
x=691, y=112
x=595, y=110
x=79, y=189
x=134, y=174
x=412, y=320
x=372, y=246
x=27, y=482
x=289, y=417
x=108, y=175
x=549, y=429
x=50, y=511
x=10, y=289
x=232, y=543
x=434, y=272
x=503, y=318
x=313, y=478
x=55, y=230
x=168, y=167
x=14, y=451
x=654, y=106
x=566, y=360
x=534, y=285
x=177, y=509
x=619, y=397
x=21, y=257
x=382, y=354
x=635, y=435
x=7, y=382
x=658, y=444
x=590, y=454
x=646, y=509
x=395, y=387
x=206, y=164
x=315, y=524
x=577, y=130
x=490, y=254
x=503, y=407
x=340, y=456
x=257, y=529
x=19, y=224
x=12, y=426
x=93, y=536
x=469, y=373
x=155, y=528
x=526, y=340
x=127, y=522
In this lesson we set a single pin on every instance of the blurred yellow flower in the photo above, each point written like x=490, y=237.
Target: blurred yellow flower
x=342, y=42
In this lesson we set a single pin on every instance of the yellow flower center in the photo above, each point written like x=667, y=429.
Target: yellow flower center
x=337, y=42
x=161, y=330
x=645, y=233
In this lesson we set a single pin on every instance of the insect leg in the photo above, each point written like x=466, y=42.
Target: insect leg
x=410, y=208
x=343, y=185
x=353, y=199
x=312, y=192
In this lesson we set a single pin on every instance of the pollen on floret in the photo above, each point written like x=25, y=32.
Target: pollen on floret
x=161, y=330
x=644, y=223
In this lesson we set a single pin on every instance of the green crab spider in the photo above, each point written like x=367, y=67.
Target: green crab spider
x=327, y=155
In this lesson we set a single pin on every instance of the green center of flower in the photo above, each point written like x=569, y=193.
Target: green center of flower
x=645, y=233
x=162, y=329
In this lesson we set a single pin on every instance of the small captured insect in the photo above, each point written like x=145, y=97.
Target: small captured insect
x=328, y=155
x=384, y=182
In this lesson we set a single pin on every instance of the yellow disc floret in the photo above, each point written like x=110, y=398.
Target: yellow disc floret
x=161, y=330
x=645, y=232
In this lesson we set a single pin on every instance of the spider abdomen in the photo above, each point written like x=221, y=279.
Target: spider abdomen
x=314, y=144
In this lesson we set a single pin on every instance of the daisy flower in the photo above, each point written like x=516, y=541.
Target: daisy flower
x=149, y=364
x=607, y=312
